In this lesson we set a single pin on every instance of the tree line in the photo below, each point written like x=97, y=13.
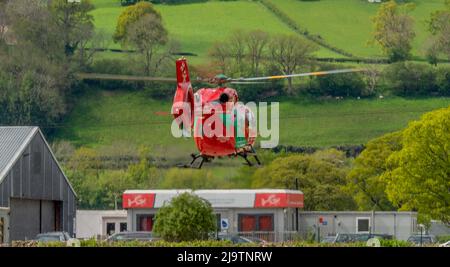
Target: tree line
x=41, y=46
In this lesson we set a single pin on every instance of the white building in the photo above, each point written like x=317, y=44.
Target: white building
x=100, y=223
x=399, y=225
x=267, y=211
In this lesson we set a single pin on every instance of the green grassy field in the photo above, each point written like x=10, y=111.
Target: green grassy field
x=198, y=25
x=347, y=23
x=109, y=118
x=105, y=118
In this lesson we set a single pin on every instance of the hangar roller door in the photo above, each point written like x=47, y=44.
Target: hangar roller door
x=31, y=217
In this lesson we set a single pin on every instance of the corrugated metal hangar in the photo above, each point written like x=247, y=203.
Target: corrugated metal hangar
x=35, y=195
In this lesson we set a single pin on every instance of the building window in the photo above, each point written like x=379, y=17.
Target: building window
x=123, y=227
x=363, y=225
x=144, y=222
x=110, y=228
x=255, y=222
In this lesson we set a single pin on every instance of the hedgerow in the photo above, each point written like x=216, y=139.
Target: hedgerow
x=210, y=243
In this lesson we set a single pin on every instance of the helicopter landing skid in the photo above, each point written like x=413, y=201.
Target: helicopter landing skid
x=195, y=157
x=245, y=156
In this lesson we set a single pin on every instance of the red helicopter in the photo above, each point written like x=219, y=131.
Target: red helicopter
x=210, y=145
x=221, y=106
x=223, y=112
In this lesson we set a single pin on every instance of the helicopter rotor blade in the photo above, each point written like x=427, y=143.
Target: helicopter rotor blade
x=317, y=73
x=99, y=76
x=248, y=82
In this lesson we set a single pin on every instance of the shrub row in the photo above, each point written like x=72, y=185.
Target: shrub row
x=349, y=150
x=401, y=79
x=417, y=79
x=209, y=243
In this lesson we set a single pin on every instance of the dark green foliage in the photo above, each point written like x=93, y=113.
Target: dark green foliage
x=160, y=90
x=321, y=177
x=443, y=238
x=259, y=92
x=411, y=79
x=443, y=80
x=36, y=72
x=113, y=66
x=347, y=84
x=186, y=218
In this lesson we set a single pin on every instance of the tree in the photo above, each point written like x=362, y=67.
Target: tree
x=345, y=84
x=321, y=177
x=36, y=78
x=85, y=160
x=443, y=80
x=419, y=174
x=439, y=27
x=32, y=86
x=219, y=51
x=3, y=21
x=74, y=22
x=33, y=26
x=364, y=181
x=131, y=15
x=148, y=35
x=237, y=51
x=372, y=77
x=257, y=42
x=187, y=217
x=394, y=30
x=288, y=53
x=143, y=173
x=410, y=78
x=114, y=183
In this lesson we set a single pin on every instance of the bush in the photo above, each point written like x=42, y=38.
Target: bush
x=443, y=238
x=258, y=92
x=160, y=90
x=208, y=243
x=411, y=79
x=346, y=84
x=394, y=243
x=443, y=80
x=112, y=66
x=186, y=218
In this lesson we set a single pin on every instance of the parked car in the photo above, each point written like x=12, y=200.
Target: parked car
x=445, y=245
x=53, y=237
x=132, y=236
x=425, y=239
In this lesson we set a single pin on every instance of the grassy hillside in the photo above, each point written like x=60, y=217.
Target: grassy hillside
x=347, y=23
x=104, y=118
x=198, y=25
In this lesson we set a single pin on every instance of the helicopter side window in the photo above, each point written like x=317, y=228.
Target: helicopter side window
x=224, y=97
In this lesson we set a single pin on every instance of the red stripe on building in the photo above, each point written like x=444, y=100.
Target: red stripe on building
x=138, y=200
x=278, y=200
